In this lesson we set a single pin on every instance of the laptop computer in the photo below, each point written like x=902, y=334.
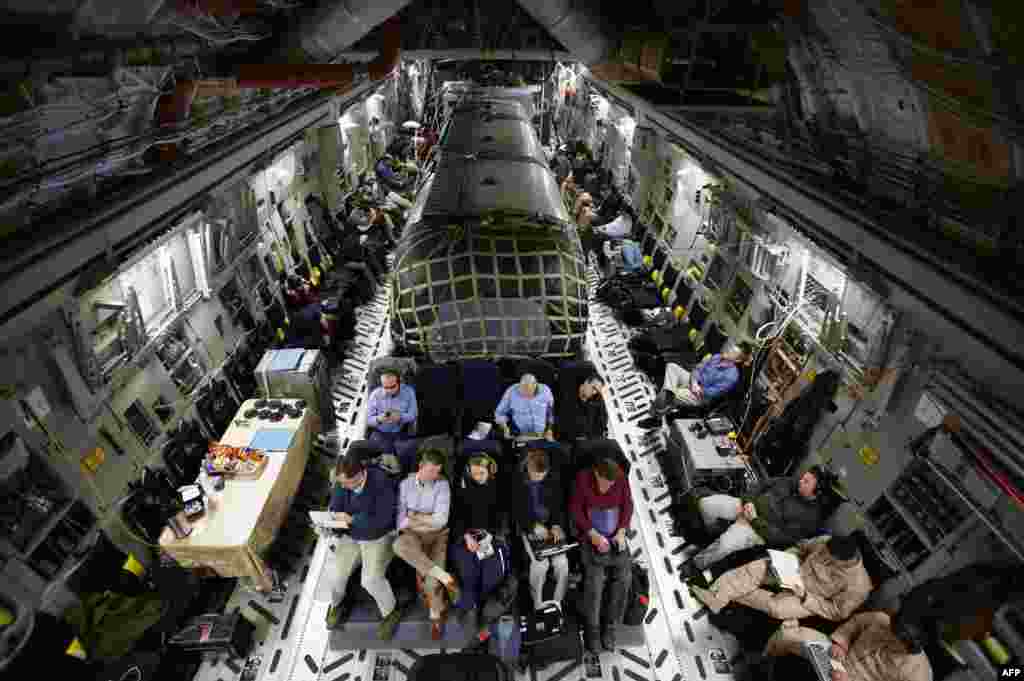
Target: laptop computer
x=541, y=549
x=819, y=654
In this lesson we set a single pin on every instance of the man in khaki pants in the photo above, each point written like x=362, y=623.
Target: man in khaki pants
x=424, y=499
x=364, y=501
x=834, y=583
x=870, y=646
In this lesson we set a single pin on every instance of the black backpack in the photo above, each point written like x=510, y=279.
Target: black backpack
x=639, y=598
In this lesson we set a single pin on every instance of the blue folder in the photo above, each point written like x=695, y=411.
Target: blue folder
x=272, y=440
x=286, y=360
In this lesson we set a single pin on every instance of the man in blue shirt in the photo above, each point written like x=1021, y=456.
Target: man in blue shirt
x=527, y=409
x=392, y=412
x=712, y=378
x=364, y=501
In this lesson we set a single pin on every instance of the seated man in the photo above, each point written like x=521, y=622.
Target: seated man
x=583, y=211
x=424, y=499
x=526, y=410
x=388, y=176
x=712, y=378
x=479, y=510
x=602, y=508
x=870, y=646
x=835, y=584
x=591, y=413
x=364, y=499
x=381, y=220
x=778, y=512
x=569, y=190
x=307, y=327
x=299, y=292
x=391, y=412
x=539, y=507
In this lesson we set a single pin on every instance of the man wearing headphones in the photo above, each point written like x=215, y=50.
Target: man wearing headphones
x=779, y=512
x=870, y=646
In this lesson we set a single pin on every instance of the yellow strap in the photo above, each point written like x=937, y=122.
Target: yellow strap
x=133, y=566
x=6, y=616
x=76, y=650
x=280, y=334
x=996, y=651
x=665, y=292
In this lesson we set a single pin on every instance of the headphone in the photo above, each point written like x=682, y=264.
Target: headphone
x=482, y=459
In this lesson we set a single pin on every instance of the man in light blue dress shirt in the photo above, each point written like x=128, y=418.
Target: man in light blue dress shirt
x=527, y=413
x=527, y=408
x=391, y=412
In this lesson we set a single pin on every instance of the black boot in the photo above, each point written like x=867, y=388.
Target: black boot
x=608, y=638
x=688, y=571
x=592, y=640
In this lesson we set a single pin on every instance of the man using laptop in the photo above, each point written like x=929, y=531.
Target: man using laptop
x=539, y=507
x=870, y=646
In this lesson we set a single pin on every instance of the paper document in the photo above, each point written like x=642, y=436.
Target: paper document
x=486, y=547
x=326, y=519
x=481, y=431
x=786, y=568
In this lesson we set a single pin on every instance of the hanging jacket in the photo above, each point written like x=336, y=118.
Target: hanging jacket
x=788, y=437
x=802, y=414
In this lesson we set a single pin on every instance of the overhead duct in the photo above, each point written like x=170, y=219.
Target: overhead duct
x=333, y=27
x=635, y=57
x=175, y=107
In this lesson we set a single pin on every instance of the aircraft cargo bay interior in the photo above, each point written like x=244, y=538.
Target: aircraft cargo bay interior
x=545, y=340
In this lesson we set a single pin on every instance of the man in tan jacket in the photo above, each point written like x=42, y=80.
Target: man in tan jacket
x=835, y=584
x=868, y=646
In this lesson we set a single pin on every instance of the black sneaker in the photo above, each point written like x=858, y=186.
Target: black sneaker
x=650, y=422
x=688, y=571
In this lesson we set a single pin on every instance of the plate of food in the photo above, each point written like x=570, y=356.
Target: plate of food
x=236, y=462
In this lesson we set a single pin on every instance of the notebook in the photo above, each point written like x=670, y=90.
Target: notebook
x=786, y=568
x=325, y=519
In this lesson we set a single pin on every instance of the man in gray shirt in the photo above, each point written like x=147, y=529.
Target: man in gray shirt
x=424, y=499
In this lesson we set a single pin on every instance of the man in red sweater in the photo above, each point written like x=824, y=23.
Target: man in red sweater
x=602, y=508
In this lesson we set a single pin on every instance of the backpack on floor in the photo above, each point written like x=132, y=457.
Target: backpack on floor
x=459, y=667
x=639, y=598
x=566, y=647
